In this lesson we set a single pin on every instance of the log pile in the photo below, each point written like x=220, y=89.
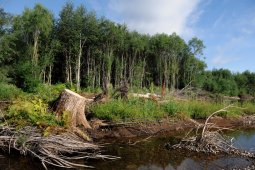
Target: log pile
x=57, y=150
x=210, y=140
x=64, y=145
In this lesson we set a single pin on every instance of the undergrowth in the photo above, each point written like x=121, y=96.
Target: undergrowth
x=133, y=109
x=9, y=91
x=139, y=109
x=30, y=111
x=33, y=108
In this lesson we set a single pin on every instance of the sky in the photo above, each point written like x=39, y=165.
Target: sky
x=227, y=27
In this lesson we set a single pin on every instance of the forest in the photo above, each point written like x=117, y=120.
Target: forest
x=59, y=77
x=87, y=52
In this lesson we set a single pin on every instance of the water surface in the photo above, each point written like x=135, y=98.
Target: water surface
x=150, y=154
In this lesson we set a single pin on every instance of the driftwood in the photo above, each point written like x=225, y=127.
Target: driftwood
x=73, y=104
x=56, y=150
x=210, y=140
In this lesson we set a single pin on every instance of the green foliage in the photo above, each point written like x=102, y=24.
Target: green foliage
x=133, y=109
x=49, y=93
x=249, y=108
x=24, y=78
x=33, y=111
x=35, y=49
x=139, y=109
x=9, y=91
x=171, y=108
x=66, y=119
x=199, y=110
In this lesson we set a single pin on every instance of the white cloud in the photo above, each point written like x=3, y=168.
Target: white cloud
x=155, y=16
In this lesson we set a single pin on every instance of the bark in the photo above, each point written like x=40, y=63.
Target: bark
x=78, y=66
x=49, y=75
x=35, y=48
x=73, y=104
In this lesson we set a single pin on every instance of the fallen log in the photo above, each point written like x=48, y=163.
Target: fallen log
x=72, y=104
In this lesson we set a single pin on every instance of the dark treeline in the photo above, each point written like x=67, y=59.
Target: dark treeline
x=85, y=51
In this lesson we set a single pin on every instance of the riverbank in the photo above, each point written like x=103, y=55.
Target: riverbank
x=164, y=127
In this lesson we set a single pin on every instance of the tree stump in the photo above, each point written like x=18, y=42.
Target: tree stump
x=73, y=104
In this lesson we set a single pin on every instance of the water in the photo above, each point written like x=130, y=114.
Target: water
x=150, y=154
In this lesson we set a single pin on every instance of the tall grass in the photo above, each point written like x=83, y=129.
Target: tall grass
x=9, y=91
x=133, y=109
x=139, y=109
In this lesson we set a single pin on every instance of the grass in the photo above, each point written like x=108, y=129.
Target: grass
x=138, y=109
x=9, y=91
x=133, y=109
x=33, y=108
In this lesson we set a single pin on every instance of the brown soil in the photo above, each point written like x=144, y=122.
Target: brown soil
x=166, y=126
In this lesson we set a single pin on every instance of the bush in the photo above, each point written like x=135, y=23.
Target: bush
x=171, y=108
x=49, y=93
x=30, y=111
x=9, y=91
x=201, y=110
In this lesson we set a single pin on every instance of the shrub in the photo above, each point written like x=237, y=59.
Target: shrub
x=9, y=91
x=171, y=108
x=49, y=93
x=31, y=111
x=200, y=110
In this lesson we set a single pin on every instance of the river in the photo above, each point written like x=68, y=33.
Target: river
x=150, y=154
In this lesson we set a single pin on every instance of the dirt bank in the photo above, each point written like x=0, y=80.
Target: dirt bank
x=166, y=126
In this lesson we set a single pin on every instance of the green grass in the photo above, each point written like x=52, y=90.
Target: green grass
x=33, y=108
x=133, y=109
x=9, y=91
x=138, y=109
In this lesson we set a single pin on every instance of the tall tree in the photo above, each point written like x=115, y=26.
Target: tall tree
x=32, y=25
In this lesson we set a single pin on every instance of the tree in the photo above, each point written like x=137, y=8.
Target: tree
x=66, y=36
x=30, y=28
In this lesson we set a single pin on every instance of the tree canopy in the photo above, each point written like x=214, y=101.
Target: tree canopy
x=86, y=51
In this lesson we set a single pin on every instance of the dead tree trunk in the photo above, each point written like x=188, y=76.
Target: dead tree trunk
x=73, y=104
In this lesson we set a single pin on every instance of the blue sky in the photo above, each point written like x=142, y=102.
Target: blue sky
x=227, y=27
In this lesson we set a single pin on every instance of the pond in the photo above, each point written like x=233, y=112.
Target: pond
x=150, y=154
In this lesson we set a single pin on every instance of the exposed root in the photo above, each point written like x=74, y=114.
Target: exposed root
x=210, y=140
x=57, y=150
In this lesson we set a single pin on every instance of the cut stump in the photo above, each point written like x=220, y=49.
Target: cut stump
x=73, y=104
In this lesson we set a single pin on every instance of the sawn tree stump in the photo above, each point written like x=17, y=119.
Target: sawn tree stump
x=73, y=104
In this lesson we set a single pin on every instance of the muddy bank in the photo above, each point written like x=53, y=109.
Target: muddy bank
x=165, y=126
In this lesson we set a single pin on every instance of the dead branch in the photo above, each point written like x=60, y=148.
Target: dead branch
x=57, y=150
x=221, y=110
x=210, y=140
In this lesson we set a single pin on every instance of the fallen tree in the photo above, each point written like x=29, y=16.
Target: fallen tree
x=209, y=138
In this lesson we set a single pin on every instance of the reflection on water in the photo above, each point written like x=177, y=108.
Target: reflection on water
x=152, y=155
x=188, y=163
x=19, y=163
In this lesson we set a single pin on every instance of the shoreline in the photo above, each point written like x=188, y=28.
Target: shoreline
x=165, y=126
